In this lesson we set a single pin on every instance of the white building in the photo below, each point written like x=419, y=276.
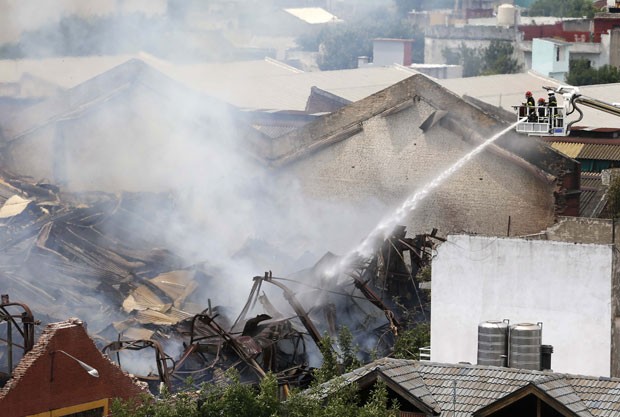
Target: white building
x=550, y=58
x=571, y=288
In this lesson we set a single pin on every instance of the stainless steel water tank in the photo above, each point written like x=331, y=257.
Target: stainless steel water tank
x=492, y=343
x=524, y=346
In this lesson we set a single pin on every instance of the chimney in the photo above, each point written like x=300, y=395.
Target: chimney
x=362, y=61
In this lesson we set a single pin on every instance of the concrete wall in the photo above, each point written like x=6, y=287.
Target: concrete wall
x=566, y=286
x=613, y=48
x=440, y=71
x=550, y=58
x=391, y=158
x=388, y=52
x=583, y=230
x=438, y=38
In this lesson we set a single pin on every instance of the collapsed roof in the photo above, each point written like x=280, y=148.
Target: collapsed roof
x=101, y=257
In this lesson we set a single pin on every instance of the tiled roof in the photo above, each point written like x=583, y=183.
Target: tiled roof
x=600, y=395
x=559, y=388
x=469, y=388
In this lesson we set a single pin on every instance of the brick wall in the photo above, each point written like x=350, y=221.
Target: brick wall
x=45, y=381
x=391, y=157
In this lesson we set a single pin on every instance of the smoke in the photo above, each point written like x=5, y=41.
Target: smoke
x=381, y=232
x=231, y=211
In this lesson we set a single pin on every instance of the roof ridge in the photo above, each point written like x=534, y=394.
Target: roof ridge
x=36, y=353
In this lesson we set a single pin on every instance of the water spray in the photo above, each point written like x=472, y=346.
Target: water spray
x=381, y=232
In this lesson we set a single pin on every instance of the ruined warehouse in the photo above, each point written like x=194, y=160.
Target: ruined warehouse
x=143, y=201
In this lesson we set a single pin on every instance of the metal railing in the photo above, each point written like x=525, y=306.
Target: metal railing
x=425, y=353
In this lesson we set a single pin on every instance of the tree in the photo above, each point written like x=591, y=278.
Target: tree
x=340, y=44
x=329, y=368
x=409, y=342
x=497, y=58
x=582, y=73
x=469, y=58
x=562, y=8
x=337, y=399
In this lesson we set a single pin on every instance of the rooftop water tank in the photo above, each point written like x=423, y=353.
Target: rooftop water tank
x=524, y=346
x=506, y=14
x=493, y=343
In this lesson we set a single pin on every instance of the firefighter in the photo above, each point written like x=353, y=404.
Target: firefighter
x=553, y=102
x=554, y=120
x=542, y=108
x=530, y=104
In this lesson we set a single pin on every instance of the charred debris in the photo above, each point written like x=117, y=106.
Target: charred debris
x=102, y=257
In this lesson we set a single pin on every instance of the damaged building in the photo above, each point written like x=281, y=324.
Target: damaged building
x=94, y=204
x=96, y=255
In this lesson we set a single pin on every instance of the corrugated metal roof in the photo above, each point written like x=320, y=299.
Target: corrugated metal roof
x=571, y=150
x=65, y=72
x=600, y=152
x=593, y=199
x=588, y=150
x=479, y=386
x=13, y=206
x=259, y=84
x=289, y=90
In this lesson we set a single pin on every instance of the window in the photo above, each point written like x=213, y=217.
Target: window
x=91, y=409
x=94, y=412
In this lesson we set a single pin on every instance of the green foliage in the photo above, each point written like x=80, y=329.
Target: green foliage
x=424, y=274
x=378, y=403
x=347, y=350
x=181, y=405
x=329, y=368
x=409, y=342
x=329, y=396
x=562, y=8
x=581, y=73
x=335, y=364
x=339, y=399
x=238, y=399
x=469, y=58
x=497, y=58
x=340, y=45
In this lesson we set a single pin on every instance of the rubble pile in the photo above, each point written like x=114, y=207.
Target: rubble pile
x=102, y=257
